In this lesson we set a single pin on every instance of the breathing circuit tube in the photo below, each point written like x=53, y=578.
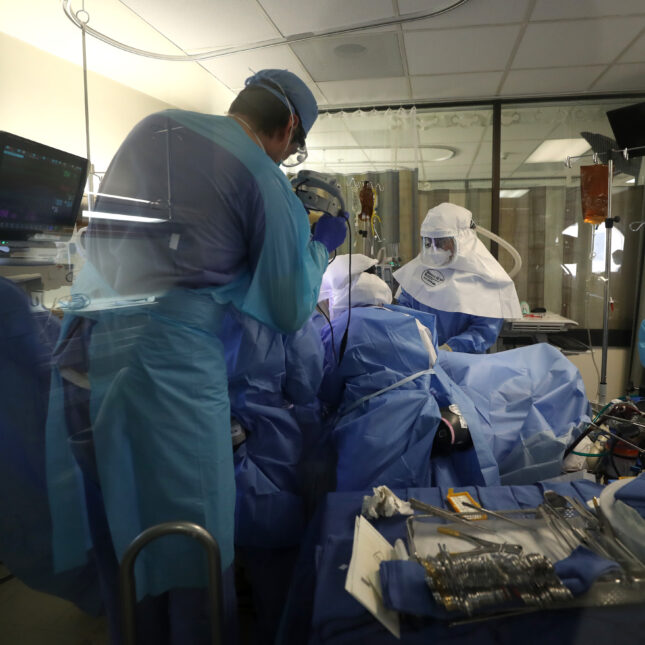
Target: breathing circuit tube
x=509, y=247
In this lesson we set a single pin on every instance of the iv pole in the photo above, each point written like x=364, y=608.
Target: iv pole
x=609, y=225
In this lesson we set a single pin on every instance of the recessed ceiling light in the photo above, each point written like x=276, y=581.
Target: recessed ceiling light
x=438, y=153
x=349, y=50
x=557, y=150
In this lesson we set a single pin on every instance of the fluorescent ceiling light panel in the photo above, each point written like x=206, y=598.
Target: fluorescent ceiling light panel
x=554, y=150
x=121, y=217
x=571, y=231
x=128, y=199
x=513, y=194
x=631, y=181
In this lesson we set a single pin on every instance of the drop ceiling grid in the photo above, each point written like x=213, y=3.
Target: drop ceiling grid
x=425, y=75
x=203, y=24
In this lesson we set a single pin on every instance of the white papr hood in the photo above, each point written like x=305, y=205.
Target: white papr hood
x=367, y=289
x=474, y=283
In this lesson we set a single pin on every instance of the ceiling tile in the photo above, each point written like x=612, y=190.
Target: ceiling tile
x=559, y=9
x=473, y=13
x=446, y=127
x=526, y=127
x=636, y=53
x=555, y=80
x=513, y=152
x=366, y=92
x=435, y=171
x=459, y=50
x=566, y=43
x=344, y=155
x=328, y=123
x=391, y=155
x=234, y=69
x=299, y=16
x=204, y=24
x=359, y=56
x=618, y=78
x=338, y=139
x=384, y=139
x=452, y=86
x=370, y=120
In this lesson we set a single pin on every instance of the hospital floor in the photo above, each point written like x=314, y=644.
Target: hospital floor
x=28, y=617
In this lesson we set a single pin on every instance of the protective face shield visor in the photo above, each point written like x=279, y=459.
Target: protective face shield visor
x=297, y=157
x=437, y=252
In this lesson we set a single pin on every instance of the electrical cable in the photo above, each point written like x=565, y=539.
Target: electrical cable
x=593, y=355
x=586, y=431
x=343, y=342
x=331, y=329
x=641, y=451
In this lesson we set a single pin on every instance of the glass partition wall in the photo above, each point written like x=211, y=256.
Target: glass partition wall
x=417, y=158
x=541, y=212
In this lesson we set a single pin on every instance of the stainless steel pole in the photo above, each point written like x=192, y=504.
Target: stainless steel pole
x=609, y=225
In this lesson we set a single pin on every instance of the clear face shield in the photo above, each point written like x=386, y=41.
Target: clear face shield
x=297, y=157
x=438, y=252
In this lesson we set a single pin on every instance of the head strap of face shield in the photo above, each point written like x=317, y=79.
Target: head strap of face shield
x=276, y=89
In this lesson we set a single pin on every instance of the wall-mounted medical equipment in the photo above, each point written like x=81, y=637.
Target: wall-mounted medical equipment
x=40, y=189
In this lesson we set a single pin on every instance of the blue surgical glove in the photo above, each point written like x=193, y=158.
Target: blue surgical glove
x=331, y=231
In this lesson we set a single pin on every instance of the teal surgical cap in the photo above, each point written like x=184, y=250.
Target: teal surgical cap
x=298, y=94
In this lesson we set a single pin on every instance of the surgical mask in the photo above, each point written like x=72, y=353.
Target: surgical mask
x=435, y=258
x=438, y=251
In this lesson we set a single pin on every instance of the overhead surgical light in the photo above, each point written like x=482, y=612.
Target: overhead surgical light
x=557, y=150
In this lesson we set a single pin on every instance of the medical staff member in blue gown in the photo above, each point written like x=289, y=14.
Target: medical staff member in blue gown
x=27, y=337
x=218, y=226
x=272, y=377
x=457, y=279
x=521, y=407
x=387, y=396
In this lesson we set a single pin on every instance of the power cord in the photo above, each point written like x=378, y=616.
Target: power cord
x=331, y=329
x=343, y=342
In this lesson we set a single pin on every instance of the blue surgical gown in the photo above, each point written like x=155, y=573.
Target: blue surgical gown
x=462, y=332
x=531, y=403
x=269, y=375
x=25, y=524
x=232, y=233
x=387, y=439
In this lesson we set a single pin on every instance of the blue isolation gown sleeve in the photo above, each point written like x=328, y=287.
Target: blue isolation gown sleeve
x=462, y=332
x=479, y=335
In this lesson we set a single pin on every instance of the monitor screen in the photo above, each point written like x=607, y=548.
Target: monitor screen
x=628, y=124
x=40, y=188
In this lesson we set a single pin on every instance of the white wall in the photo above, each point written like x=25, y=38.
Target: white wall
x=617, y=359
x=41, y=98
